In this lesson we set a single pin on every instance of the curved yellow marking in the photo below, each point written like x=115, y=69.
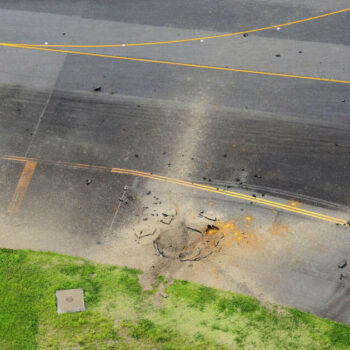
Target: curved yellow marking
x=181, y=64
x=198, y=38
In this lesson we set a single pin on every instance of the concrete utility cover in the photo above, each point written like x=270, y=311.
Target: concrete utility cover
x=70, y=300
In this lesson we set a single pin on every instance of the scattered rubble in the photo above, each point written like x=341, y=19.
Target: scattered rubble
x=191, y=240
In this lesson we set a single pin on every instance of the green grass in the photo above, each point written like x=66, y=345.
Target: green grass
x=121, y=316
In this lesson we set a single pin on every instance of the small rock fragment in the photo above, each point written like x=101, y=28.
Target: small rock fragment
x=342, y=264
x=167, y=220
x=171, y=212
x=159, y=252
x=98, y=88
x=88, y=182
x=143, y=234
x=207, y=216
x=278, y=55
x=164, y=295
x=245, y=35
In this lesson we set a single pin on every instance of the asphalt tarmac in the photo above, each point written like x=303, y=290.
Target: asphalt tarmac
x=263, y=128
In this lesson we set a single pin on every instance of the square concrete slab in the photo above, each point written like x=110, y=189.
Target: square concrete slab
x=70, y=300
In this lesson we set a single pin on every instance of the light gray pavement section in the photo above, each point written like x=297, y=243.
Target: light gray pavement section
x=223, y=16
x=31, y=68
x=252, y=53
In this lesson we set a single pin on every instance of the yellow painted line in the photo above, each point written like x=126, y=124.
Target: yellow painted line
x=16, y=158
x=198, y=38
x=22, y=185
x=184, y=64
x=82, y=166
x=237, y=195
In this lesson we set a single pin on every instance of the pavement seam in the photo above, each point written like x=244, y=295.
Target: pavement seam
x=38, y=123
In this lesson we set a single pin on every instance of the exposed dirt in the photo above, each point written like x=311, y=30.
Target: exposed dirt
x=186, y=244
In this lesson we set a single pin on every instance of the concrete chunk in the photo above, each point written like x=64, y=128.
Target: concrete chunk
x=342, y=264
